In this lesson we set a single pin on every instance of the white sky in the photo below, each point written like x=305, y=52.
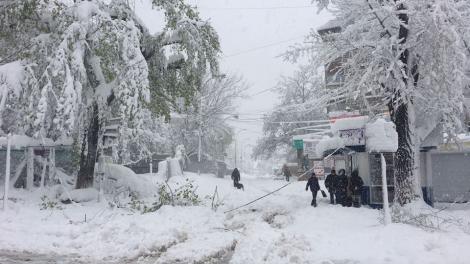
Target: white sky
x=244, y=25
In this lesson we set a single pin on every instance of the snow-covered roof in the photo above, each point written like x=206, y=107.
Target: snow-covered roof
x=334, y=23
x=312, y=137
x=21, y=141
x=381, y=136
x=349, y=123
x=328, y=143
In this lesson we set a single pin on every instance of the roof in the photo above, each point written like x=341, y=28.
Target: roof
x=332, y=24
x=22, y=141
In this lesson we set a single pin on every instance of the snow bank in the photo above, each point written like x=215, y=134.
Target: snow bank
x=163, y=169
x=381, y=136
x=80, y=195
x=349, y=123
x=122, y=176
x=329, y=143
x=169, y=168
x=175, y=167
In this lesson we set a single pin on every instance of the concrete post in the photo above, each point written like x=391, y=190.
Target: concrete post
x=30, y=168
x=7, y=174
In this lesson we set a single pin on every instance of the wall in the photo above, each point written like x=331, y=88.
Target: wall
x=450, y=176
x=16, y=157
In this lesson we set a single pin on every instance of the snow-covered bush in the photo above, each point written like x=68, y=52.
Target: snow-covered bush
x=49, y=204
x=184, y=195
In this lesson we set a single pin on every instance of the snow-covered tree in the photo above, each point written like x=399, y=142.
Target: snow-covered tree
x=86, y=62
x=206, y=117
x=294, y=92
x=413, y=54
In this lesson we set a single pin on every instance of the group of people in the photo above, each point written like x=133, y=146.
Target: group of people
x=344, y=190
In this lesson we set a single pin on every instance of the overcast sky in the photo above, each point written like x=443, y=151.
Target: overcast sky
x=253, y=33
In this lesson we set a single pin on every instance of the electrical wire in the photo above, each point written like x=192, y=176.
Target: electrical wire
x=256, y=8
x=261, y=47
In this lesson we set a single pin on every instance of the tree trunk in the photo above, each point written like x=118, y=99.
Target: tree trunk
x=401, y=111
x=404, y=158
x=89, y=151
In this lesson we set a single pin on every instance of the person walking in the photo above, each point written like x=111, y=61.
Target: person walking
x=356, y=188
x=286, y=172
x=305, y=163
x=341, y=188
x=330, y=185
x=312, y=183
x=236, y=177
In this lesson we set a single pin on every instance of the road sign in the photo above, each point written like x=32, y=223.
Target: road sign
x=298, y=143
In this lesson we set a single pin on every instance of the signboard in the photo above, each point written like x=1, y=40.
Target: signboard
x=309, y=149
x=318, y=168
x=298, y=144
x=353, y=137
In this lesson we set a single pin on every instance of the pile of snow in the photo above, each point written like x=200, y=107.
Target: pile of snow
x=11, y=75
x=175, y=167
x=119, y=177
x=80, y=195
x=349, y=123
x=381, y=136
x=170, y=168
x=328, y=143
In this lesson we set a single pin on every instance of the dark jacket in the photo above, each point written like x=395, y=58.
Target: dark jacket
x=286, y=171
x=235, y=175
x=330, y=182
x=341, y=183
x=313, y=184
x=356, y=183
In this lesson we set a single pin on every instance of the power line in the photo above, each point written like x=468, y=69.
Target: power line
x=262, y=47
x=256, y=8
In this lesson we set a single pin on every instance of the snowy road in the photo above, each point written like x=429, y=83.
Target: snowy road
x=281, y=228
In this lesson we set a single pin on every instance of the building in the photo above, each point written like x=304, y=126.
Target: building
x=443, y=168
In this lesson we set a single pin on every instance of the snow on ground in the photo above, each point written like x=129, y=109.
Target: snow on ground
x=282, y=228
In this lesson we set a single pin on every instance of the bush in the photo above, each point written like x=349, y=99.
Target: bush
x=184, y=195
x=47, y=203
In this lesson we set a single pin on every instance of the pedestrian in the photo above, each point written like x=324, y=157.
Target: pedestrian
x=236, y=178
x=330, y=185
x=306, y=163
x=314, y=188
x=286, y=172
x=341, y=187
x=356, y=188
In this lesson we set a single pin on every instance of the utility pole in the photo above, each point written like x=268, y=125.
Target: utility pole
x=7, y=174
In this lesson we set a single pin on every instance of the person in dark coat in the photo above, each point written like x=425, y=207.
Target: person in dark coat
x=286, y=172
x=330, y=185
x=235, y=177
x=314, y=188
x=341, y=187
x=356, y=184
